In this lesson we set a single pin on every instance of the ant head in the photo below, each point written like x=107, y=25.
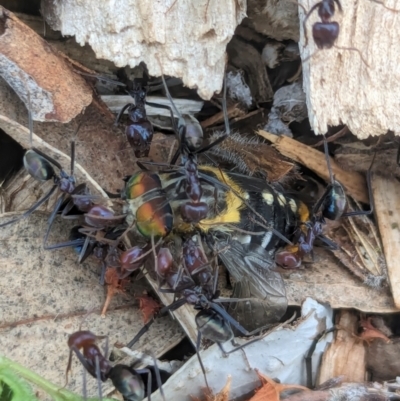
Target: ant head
x=191, y=133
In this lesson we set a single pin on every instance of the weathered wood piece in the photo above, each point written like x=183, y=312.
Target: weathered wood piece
x=38, y=74
x=347, y=354
x=386, y=194
x=180, y=38
x=354, y=183
x=359, y=88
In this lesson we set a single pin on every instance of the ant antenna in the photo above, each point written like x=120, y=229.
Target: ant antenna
x=170, y=97
x=328, y=161
x=224, y=108
x=158, y=377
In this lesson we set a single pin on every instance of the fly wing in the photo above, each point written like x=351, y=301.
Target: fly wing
x=251, y=267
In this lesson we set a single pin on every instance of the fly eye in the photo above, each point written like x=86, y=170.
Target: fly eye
x=38, y=167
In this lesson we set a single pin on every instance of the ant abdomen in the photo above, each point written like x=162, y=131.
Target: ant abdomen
x=213, y=326
x=37, y=166
x=129, y=259
x=335, y=203
x=164, y=262
x=325, y=34
x=128, y=383
x=194, y=212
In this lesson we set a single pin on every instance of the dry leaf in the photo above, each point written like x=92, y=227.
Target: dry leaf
x=114, y=286
x=223, y=395
x=148, y=306
x=271, y=390
x=370, y=332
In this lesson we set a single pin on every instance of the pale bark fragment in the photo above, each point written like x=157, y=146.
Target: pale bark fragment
x=347, y=354
x=354, y=183
x=180, y=38
x=387, y=210
x=38, y=74
x=358, y=88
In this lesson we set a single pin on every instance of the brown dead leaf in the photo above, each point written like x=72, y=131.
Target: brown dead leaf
x=370, y=332
x=148, y=306
x=114, y=286
x=271, y=390
x=223, y=395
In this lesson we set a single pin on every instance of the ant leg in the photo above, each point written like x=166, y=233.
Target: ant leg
x=170, y=308
x=32, y=208
x=121, y=112
x=370, y=195
x=158, y=377
x=226, y=121
x=51, y=219
x=212, y=144
x=149, y=381
x=313, y=8
x=308, y=356
x=98, y=376
x=84, y=383
x=198, y=342
x=339, y=5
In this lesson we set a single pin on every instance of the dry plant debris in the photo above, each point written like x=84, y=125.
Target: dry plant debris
x=271, y=390
x=40, y=76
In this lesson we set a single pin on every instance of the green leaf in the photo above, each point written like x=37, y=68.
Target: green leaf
x=13, y=388
x=14, y=385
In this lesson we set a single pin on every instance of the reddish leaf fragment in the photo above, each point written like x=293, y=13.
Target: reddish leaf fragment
x=208, y=395
x=271, y=390
x=370, y=333
x=148, y=306
x=114, y=286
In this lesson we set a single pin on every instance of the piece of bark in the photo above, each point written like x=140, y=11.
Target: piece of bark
x=354, y=183
x=38, y=74
x=180, y=38
x=354, y=87
x=273, y=18
x=244, y=56
x=386, y=194
x=346, y=355
x=328, y=281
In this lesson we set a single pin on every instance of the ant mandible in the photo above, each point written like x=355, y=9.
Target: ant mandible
x=325, y=32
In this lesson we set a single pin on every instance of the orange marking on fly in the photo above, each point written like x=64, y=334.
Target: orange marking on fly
x=140, y=183
x=154, y=218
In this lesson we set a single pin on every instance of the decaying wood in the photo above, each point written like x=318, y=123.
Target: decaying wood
x=185, y=106
x=359, y=88
x=273, y=18
x=386, y=194
x=354, y=183
x=346, y=355
x=38, y=74
x=180, y=38
x=218, y=118
x=328, y=281
x=244, y=56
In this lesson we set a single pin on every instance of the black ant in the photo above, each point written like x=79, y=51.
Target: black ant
x=325, y=32
x=126, y=380
x=332, y=205
x=196, y=283
x=140, y=131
